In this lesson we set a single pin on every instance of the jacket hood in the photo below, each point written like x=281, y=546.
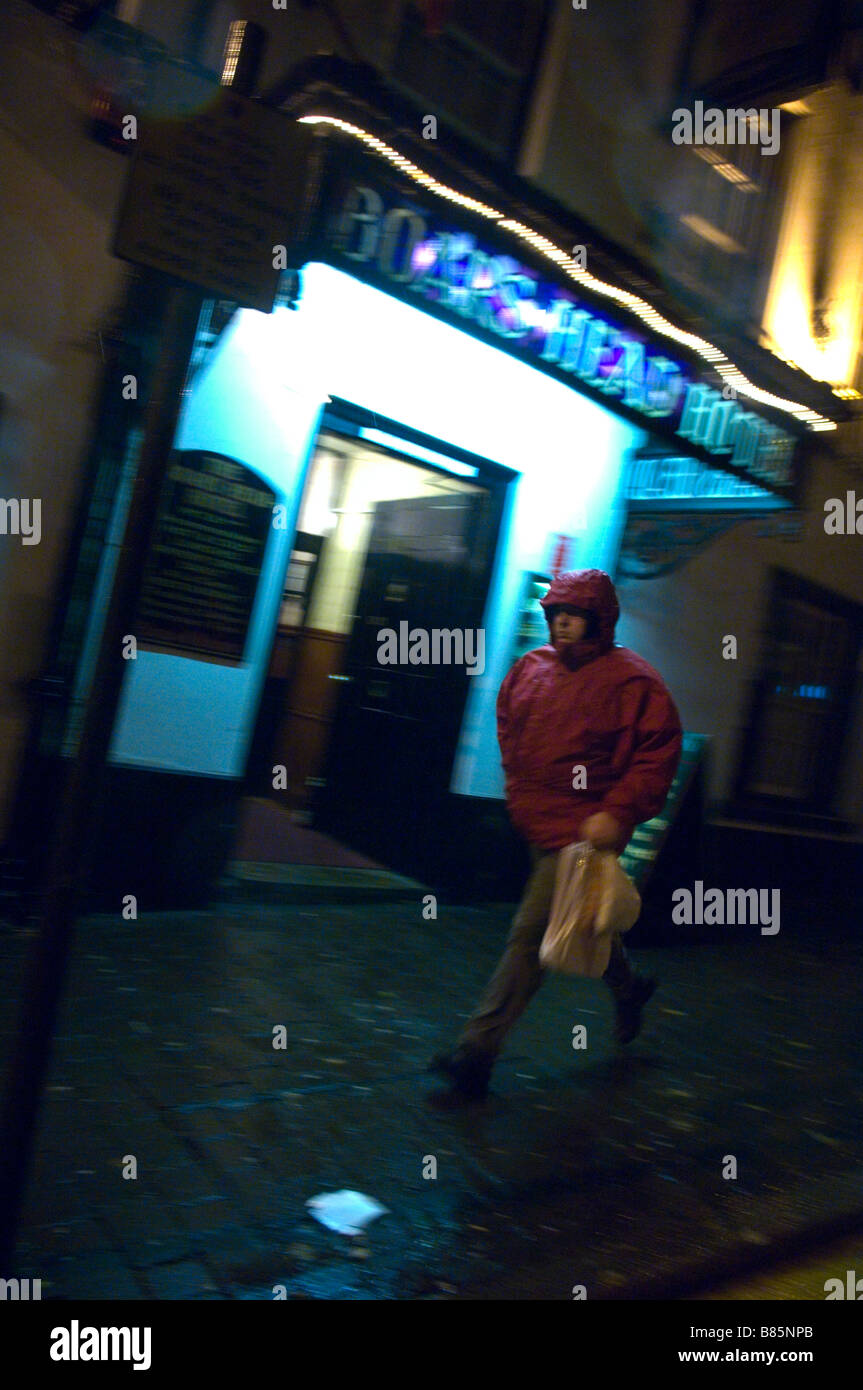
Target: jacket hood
x=593, y=591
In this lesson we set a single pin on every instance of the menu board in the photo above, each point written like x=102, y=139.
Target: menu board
x=201, y=575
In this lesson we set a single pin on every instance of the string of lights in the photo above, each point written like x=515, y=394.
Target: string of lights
x=649, y=315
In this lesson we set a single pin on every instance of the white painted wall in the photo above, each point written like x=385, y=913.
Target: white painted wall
x=258, y=401
x=183, y=715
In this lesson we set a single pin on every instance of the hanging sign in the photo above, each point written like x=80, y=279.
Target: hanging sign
x=213, y=194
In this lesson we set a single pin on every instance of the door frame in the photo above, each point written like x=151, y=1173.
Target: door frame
x=340, y=416
x=343, y=417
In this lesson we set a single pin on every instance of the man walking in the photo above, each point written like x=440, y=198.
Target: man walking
x=590, y=740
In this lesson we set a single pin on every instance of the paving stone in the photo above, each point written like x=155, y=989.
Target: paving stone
x=600, y=1160
x=185, y=1279
x=98, y=1274
x=147, y=1228
x=72, y=1236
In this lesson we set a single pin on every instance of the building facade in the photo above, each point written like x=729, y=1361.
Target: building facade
x=754, y=229
x=463, y=387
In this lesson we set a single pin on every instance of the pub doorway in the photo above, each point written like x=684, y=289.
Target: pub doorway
x=351, y=759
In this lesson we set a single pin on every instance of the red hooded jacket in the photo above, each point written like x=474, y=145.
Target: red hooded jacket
x=592, y=704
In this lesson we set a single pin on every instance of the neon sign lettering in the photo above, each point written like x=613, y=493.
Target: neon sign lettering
x=670, y=478
x=499, y=294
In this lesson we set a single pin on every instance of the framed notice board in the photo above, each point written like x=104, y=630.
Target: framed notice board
x=201, y=576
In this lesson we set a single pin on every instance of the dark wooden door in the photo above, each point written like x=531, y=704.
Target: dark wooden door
x=396, y=727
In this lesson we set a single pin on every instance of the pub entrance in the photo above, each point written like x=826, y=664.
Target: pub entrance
x=391, y=537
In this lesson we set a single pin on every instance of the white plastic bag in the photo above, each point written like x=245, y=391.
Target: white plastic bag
x=593, y=899
x=346, y=1212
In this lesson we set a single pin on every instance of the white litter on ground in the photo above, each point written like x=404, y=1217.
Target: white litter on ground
x=345, y=1212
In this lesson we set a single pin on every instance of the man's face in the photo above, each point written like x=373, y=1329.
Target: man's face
x=567, y=626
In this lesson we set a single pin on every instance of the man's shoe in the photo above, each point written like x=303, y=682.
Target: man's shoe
x=467, y=1072
x=628, y=1025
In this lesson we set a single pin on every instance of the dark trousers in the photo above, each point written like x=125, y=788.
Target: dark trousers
x=519, y=974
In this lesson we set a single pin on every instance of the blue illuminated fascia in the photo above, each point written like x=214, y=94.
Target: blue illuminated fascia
x=375, y=229
x=767, y=502
x=657, y=483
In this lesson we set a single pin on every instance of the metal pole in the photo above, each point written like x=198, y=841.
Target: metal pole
x=47, y=965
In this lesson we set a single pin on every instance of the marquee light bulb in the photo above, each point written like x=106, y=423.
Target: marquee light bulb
x=648, y=314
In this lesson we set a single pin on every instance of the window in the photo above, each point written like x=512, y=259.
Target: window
x=717, y=224
x=718, y=220
x=478, y=72
x=802, y=699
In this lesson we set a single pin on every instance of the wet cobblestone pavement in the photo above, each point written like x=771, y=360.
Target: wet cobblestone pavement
x=599, y=1167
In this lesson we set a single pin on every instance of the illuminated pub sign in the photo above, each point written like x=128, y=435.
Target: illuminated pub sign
x=662, y=480
x=381, y=234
